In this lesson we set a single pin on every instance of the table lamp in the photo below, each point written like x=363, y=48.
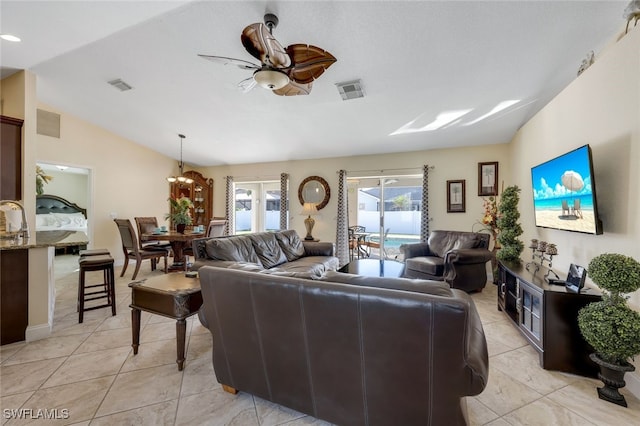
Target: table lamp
x=309, y=209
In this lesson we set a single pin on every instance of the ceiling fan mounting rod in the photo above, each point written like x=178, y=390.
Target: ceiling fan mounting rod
x=271, y=21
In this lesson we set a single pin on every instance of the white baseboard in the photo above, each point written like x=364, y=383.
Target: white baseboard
x=37, y=332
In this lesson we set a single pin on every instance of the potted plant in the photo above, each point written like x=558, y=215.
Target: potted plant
x=508, y=227
x=610, y=326
x=489, y=223
x=41, y=179
x=180, y=214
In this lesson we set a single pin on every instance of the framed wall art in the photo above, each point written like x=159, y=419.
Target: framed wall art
x=455, y=196
x=488, y=178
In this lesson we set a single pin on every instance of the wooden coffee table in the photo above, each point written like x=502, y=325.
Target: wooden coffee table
x=374, y=268
x=171, y=295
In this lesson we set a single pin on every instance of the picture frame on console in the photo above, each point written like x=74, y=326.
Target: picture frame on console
x=488, y=178
x=456, y=196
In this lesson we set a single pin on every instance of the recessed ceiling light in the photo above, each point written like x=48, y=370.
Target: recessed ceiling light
x=10, y=37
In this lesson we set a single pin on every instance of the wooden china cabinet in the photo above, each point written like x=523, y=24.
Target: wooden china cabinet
x=200, y=191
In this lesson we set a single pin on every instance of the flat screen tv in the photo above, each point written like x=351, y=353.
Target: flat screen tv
x=564, y=193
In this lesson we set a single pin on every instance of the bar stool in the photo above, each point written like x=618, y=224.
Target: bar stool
x=100, y=262
x=96, y=252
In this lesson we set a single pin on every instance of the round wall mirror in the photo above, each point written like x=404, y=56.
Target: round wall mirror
x=314, y=189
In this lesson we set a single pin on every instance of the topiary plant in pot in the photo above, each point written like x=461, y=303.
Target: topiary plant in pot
x=610, y=326
x=509, y=228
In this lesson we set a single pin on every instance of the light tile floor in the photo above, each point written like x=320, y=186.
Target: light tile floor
x=89, y=369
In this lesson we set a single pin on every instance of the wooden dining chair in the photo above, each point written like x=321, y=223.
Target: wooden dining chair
x=216, y=227
x=131, y=249
x=148, y=225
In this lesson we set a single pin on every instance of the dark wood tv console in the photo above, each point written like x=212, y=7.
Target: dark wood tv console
x=546, y=315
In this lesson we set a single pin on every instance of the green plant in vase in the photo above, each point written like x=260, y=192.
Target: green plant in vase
x=180, y=214
x=509, y=228
x=610, y=326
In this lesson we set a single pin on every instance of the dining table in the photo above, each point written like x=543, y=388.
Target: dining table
x=179, y=241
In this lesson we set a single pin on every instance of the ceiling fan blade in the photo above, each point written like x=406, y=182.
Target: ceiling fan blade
x=245, y=65
x=309, y=62
x=294, y=89
x=247, y=84
x=260, y=44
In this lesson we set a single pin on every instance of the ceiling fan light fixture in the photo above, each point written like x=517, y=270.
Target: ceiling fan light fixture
x=271, y=79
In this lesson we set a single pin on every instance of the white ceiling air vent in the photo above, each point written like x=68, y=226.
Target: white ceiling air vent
x=350, y=90
x=120, y=85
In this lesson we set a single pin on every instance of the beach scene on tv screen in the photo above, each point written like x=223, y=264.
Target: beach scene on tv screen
x=562, y=193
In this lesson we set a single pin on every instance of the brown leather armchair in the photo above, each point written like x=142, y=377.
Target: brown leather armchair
x=456, y=257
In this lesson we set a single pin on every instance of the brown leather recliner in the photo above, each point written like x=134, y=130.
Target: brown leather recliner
x=348, y=349
x=456, y=257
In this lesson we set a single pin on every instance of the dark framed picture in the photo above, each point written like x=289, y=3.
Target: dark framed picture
x=488, y=178
x=455, y=196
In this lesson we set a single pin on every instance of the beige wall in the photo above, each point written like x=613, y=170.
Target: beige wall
x=601, y=108
x=449, y=164
x=125, y=178
x=12, y=100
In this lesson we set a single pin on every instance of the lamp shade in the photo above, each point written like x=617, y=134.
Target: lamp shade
x=309, y=209
x=271, y=79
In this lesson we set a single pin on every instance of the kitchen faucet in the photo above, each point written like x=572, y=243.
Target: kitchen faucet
x=24, y=227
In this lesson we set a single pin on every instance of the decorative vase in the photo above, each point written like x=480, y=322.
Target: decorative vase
x=180, y=228
x=612, y=375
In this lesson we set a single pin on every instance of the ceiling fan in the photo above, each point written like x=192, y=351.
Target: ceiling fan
x=287, y=72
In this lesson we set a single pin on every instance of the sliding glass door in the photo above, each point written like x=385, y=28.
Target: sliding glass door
x=389, y=208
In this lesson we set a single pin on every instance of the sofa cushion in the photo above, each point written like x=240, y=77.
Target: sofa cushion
x=313, y=266
x=436, y=288
x=246, y=266
x=238, y=249
x=291, y=244
x=426, y=264
x=440, y=242
x=267, y=248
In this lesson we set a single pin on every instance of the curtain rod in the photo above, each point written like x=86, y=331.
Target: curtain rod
x=417, y=170
x=254, y=178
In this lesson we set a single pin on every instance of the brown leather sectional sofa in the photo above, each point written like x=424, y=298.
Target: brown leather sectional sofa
x=282, y=252
x=348, y=349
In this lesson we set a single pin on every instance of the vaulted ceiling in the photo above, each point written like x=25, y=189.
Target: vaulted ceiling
x=437, y=73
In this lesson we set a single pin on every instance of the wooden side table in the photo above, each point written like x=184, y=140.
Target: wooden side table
x=171, y=295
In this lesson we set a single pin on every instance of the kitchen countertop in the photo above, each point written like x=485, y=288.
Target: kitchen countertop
x=46, y=239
